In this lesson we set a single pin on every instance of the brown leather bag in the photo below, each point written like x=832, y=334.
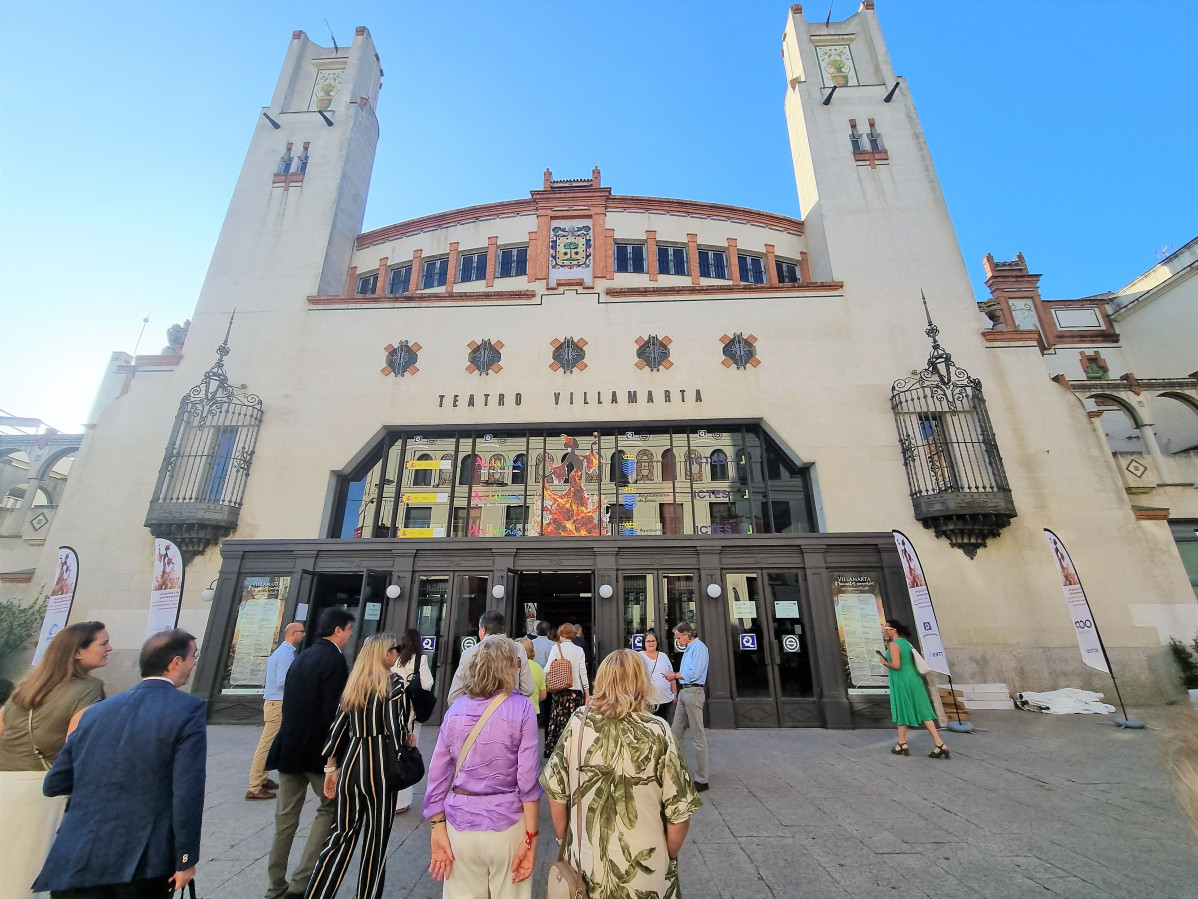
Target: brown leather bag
x=559, y=675
x=565, y=880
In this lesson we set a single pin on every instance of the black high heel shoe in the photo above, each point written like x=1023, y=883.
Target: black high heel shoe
x=900, y=749
x=940, y=752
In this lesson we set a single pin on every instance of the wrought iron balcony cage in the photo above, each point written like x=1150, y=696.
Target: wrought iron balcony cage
x=954, y=470
x=201, y=484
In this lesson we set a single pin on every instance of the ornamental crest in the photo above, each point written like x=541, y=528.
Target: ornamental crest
x=401, y=359
x=653, y=353
x=740, y=351
x=568, y=354
x=484, y=357
x=570, y=246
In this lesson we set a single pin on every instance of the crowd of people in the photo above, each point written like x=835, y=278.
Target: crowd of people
x=619, y=790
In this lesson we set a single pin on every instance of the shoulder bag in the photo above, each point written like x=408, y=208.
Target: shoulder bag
x=565, y=879
x=496, y=702
x=406, y=767
x=559, y=675
x=420, y=701
x=32, y=742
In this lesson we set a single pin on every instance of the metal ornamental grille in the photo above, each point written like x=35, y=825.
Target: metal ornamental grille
x=945, y=435
x=209, y=458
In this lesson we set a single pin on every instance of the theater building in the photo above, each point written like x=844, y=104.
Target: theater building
x=620, y=411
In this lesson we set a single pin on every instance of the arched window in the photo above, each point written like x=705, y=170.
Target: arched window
x=644, y=466
x=616, y=468
x=470, y=470
x=445, y=475
x=497, y=468
x=695, y=468
x=541, y=471
x=518, y=463
x=669, y=466
x=423, y=477
x=719, y=465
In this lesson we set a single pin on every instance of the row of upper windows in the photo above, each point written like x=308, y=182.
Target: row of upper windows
x=671, y=260
x=629, y=258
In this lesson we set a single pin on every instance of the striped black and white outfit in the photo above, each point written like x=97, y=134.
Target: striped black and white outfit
x=365, y=800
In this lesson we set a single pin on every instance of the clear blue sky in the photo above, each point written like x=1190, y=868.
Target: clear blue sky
x=1062, y=129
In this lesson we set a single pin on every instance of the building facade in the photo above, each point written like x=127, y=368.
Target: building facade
x=619, y=411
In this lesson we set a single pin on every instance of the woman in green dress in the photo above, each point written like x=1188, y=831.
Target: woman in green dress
x=637, y=795
x=909, y=702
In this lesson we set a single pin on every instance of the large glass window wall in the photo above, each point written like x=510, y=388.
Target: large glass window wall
x=706, y=479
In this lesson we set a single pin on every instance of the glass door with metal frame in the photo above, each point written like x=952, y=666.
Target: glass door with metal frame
x=772, y=668
x=447, y=611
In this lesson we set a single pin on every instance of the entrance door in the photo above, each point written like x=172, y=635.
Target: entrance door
x=363, y=594
x=556, y=597
x=656, y=601
x=447, y=611
x=772, y=682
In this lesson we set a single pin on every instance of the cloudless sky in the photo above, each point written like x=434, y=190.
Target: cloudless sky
x=1066, y=130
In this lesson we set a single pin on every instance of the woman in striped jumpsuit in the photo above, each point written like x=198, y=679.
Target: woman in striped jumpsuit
x=367, y=727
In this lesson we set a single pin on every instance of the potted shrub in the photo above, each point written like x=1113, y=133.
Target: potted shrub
x=1187, y=660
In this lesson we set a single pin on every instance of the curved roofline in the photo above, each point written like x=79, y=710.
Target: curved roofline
x=615, y=203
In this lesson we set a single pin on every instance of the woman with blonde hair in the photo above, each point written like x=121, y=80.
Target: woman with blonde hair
x=42, y=712
x=369, y=726
x=636, y=793
x=483, y=798
x=564, y=701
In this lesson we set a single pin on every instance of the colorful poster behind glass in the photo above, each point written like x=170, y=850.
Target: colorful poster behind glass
x=568, y=509
x=921, y=605
x=857, y=599
x=166, y=589
x=58, y=606
x=1084, y=625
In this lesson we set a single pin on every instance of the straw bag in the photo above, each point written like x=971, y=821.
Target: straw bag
x=559, y=675
x=565, y=880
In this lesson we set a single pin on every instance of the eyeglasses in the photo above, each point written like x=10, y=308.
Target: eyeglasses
x=393, y=649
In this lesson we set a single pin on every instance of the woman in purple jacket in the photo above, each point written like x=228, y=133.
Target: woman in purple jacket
x=483, y=803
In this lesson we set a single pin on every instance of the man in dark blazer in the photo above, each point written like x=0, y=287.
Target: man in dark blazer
x=134, y=769
x=310, y=699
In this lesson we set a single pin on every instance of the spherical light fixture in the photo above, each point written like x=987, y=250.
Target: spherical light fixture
x=605, y=591
x=393, y=591
x=208, y=593
x=714, y=591
x=498, y=591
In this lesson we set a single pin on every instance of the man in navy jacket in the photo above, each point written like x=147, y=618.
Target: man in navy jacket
x=134, y=770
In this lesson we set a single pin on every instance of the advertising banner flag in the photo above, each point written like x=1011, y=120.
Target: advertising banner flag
x=1084, y=625
x=62, y=594
x=921, y=605
x=166, y=589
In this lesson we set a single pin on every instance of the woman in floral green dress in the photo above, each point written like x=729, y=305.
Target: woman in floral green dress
x=637, y=794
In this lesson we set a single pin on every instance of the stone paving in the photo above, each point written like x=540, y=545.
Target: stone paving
x=1031, y=805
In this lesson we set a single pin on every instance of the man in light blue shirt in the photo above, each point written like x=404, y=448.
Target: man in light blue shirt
x=692, y=696
x=280, y=660
x=542, y=645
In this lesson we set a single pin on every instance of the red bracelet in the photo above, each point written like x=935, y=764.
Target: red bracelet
x=529, y=837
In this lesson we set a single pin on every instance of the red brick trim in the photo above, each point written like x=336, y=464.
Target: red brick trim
x=804, y=267
x=1028, y=338
x=425, y=298
x=417, y=265
x=605, y=238
x=153, y=361
x=380, y=286
x=1151, y=514
x=492, y=261
x=16, y=577
x=609, y=236
x=509, y=208
x=733, y=262
x=771, y=267
x=692, y=257
x=288, y=179
x=721, y=289
x=651, y=252
x=351, y=285
x=451, y=276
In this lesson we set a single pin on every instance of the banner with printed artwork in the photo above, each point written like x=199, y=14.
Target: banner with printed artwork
x=1084, y=625
x=58, y=606
x=921, y=605
x=166, y=588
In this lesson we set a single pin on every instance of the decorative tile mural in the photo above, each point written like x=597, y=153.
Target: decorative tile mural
x=324, y=91
x=837, y=65
x=570, y=251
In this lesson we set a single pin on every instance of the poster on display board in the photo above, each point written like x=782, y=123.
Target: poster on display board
x=58, y=606
x=857, y=600
x=166, y=588
x=256, y=632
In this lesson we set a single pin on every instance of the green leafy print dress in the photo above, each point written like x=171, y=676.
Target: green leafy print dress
x=634, y=780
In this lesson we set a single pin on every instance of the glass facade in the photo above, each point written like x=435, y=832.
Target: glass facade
x=687, y=479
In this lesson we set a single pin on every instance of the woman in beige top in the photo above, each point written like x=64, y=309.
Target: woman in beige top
x=37, y=719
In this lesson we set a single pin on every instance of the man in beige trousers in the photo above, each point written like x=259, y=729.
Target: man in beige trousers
x=272, y=709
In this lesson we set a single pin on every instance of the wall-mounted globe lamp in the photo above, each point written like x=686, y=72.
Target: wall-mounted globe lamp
x=393, y=591
x=498, y=591
x=714, y=591
x=209, y=593
x=605, y=591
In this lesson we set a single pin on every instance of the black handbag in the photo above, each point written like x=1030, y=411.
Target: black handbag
x=421, y=702
x=405, y=769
